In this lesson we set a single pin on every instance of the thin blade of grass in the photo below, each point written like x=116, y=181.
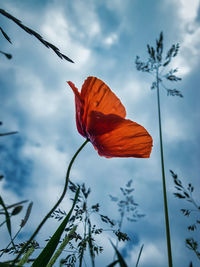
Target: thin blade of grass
x=35, y=34
x=113, y=263
x=5, y=35
x=8, y=223
x=138, y=259
x=121, y=261
x=2, y=264
x=26, y=217
x=47, y=252
x=15, y=204
x=4, y=134
x=91, y=246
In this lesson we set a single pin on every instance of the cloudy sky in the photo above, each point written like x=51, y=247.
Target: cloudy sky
x=103, y=38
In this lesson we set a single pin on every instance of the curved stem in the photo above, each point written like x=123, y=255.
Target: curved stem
x=163, y=177
x=55, y=206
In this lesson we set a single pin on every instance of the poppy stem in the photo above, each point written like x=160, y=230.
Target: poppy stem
x=170, y=264
x=55, y=206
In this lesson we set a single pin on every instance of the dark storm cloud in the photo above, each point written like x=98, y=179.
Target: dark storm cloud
x=15, y=167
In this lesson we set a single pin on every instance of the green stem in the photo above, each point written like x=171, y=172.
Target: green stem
x=11, y=242
x=120, y=227
x=84, y=238
x=26, y=256
x=62, y=246
x=4, y=134
x=163, y=177
x=55, y=206
x=138, y=259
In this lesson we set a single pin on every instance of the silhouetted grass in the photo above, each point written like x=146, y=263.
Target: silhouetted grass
x=34, y=33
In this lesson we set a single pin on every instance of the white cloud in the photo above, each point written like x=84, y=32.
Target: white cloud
x=173, y=129
x=152, y=255
x=110, y=40
x=188, y=9
x=57, y=30
x=189, y=52
x=8, y=198
x=187, y=12
x=87, y=18
x=55, y=27
x=135, y=91
x=47, y=155
x=47, y=177
x=39, y=101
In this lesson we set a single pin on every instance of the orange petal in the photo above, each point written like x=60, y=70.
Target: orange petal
x=79, y=110
x=99, y=124
x=97, y=96
x=124, y=139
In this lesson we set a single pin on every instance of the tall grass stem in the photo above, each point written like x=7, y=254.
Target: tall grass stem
x=163, y=177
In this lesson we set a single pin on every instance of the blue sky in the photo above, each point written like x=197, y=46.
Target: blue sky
x=103, y=38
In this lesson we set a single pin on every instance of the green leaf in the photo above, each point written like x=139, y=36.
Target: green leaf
x=8, y=56
x=121, y=261
x=26, y=217
x=15, y=204
x=5, y=35
x=62, y=246
x=4, y=134
x=24, y=259
x=8, y=223
x=113, y=263
x=2, y=264
x=48, y=251
x=16, y=210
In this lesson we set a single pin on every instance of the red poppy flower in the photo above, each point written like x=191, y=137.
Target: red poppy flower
x=100, y=117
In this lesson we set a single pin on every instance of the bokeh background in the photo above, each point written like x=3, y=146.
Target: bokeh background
x=103, y=38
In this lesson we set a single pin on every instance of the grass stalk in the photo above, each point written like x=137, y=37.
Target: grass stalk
x=170, y=264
